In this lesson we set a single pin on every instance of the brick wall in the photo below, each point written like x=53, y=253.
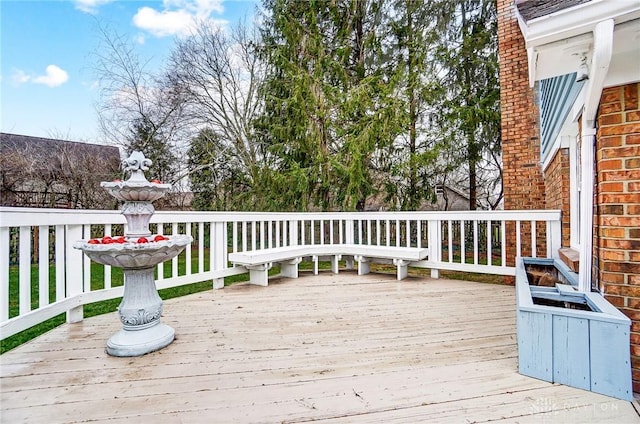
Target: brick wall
x=522, y=173
x=556, y=181
x=617, y=221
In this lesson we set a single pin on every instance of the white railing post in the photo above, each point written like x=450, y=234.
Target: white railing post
x=348, y=233
x=435, y=247
x=60, y=262
x=43, y=266
x=74, y=271
x=348, y=239
x=293, y=232
x=554, y=238
x=219, y=249
x=24, y=261
x=4, y=274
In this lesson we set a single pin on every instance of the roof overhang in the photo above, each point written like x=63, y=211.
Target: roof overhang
x=556, y=42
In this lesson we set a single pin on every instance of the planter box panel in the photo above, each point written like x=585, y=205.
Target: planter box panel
x=570, y=341
x=610, y=356
x=534, y=345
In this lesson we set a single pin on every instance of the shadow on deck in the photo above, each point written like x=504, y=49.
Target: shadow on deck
x=333, y=348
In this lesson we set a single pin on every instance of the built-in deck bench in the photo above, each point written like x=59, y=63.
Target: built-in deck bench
x=259, y=262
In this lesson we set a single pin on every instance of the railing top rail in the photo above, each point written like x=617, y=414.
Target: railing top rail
x=14, y=217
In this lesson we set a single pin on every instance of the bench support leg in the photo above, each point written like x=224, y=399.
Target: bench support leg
x=349, y=263
x=315, y=260
x=259, y=274
x=363, y=264
x=289, y=268
x=403, y=268
x=335, y=259
x=218, y=283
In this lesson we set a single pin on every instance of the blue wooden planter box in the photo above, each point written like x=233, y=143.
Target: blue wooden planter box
x=588, y=349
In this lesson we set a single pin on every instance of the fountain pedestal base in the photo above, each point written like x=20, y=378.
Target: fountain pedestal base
x=140, y=342
x=140, y=312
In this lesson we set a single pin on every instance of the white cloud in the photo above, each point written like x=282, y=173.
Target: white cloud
x=178, y=17
x=90, y=6
x=164, y=23
x=53, y=78
x=20, y=77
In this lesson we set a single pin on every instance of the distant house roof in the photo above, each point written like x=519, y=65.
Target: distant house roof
x=24, y=143
x=532, y=9
x=45, y=172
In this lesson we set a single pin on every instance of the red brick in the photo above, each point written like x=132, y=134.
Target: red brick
x=633, y=186
x=633, y=210
x=613, y=141
x=610, y=95
x=633, y=303
x=611, y=210
x=617, y=301
x=620, y=129
x=624, y=267
x=631, y=116
x=613, y=232
x=620, y=198
x=631, y=92
x=612, y=119
x=632, y=139
x=631, y=96
x=612, y=255
x=612, y=278
x=620, y=244
x=611, y=187
x=608, y=108
x=620, y=152
x=632, y=163
x=621, y=175
x=613, y=164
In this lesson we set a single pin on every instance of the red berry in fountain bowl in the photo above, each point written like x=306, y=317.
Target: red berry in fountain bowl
x=160, y=237
x=143, y=240
x=120, y=240
x=107, y=240
x=94, y=241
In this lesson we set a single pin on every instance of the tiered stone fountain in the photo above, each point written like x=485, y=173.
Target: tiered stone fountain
x=137, y=253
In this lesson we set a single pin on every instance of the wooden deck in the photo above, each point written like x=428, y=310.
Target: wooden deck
x=343, y=349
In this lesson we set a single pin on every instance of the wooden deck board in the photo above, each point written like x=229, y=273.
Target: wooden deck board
x=334, y=348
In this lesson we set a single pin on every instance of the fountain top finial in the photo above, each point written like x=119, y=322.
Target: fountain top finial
x=136, y=163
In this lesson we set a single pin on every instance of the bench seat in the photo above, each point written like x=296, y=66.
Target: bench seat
x=258, y=262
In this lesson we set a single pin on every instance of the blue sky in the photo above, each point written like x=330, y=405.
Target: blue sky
x=48, y=84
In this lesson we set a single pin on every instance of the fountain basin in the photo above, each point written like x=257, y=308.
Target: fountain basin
x=136, y=191
x=134, y=255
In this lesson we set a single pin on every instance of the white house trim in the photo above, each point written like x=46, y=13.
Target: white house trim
x=602, y=50
x=577, y=20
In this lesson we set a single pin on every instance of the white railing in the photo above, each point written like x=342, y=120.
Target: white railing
x=42, y=275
